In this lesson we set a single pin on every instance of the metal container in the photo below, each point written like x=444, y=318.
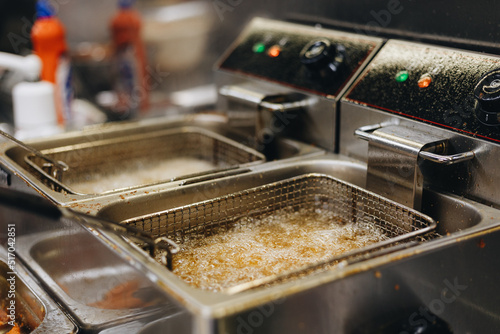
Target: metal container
x=83, y=273
x=119, y=163
x=348, y=203
x=51, y=251
x=35, y=311
x=121, y=151
x=267, y=307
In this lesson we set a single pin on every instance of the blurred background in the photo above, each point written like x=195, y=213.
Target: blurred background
x=185, y=38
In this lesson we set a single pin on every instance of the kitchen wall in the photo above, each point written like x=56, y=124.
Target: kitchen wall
x=472, y=21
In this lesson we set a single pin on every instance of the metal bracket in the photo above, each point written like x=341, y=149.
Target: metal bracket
x=394, y=154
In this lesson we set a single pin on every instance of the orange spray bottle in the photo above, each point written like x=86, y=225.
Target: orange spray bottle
x=132, y=85
x=49, y=43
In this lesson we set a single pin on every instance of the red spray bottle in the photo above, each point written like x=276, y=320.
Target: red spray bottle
x=49, y=43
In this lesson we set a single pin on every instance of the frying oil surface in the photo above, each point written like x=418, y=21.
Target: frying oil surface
x=257, y=248
x=142, y=173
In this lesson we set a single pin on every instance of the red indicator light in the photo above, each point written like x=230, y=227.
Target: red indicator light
x=424, y=81
x=274, y=51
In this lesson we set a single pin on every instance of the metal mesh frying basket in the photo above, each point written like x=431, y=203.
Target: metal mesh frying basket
x=347, y=202
x=118, y=163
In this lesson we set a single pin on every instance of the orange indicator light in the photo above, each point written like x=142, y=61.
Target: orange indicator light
x=274, y=51
x=424, y=81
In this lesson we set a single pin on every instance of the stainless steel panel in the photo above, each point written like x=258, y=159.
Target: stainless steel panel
x=318, y=122
x=445, y=109
x=477, y=179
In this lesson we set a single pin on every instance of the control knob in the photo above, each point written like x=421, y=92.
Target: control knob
x=487, y=94
x=323, y=58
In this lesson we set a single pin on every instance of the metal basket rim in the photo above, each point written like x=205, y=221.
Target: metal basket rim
x=431, y=221
x=124, y=139
x=370, y=251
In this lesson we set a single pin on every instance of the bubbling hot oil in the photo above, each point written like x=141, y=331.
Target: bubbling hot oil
x=256, y=248
x=141, y=173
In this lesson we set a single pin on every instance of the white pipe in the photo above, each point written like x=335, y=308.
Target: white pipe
x=30, y=65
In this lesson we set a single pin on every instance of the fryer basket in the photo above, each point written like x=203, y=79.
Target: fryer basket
x=97, y=160
x=347, y=202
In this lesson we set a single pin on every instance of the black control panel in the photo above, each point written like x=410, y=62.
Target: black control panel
x=315, y=60
x=448, y=88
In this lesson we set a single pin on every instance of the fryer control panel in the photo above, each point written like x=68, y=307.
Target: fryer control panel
x=448, y=88
x=311, y=59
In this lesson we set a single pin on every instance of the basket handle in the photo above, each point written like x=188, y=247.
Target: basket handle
x=55, y=168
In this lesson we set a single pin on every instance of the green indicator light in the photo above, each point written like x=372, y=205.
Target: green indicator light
x=259, y=47
x=402, y=76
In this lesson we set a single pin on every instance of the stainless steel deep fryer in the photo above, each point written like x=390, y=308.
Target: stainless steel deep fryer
x=98, y=160
x=347, y=202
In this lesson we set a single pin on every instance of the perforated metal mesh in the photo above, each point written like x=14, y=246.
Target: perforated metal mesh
x=96, y=160
x=347, y=202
